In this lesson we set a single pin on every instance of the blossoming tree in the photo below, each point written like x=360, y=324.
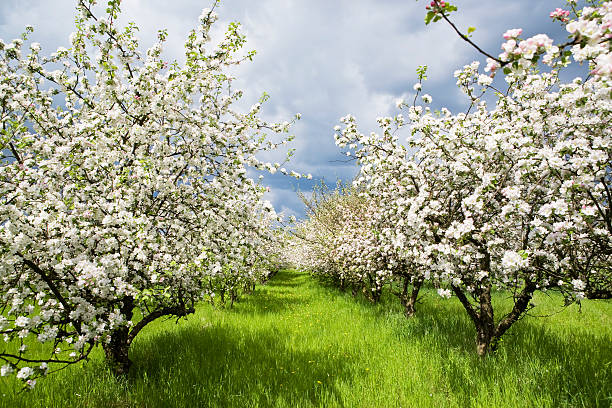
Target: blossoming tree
x=314, y=242
x=347, y=237
x=385, y=176
x=122, y=201
x=514, y=198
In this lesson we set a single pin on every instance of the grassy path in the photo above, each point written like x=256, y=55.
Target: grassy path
x=296, y=343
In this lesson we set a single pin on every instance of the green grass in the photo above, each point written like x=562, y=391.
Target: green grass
x=297, y=343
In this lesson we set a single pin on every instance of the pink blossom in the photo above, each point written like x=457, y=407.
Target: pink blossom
x=509, y=46
x=513, y=33
x=604, y=65
x=436, y=4
x=559, y=14
x=492, y=65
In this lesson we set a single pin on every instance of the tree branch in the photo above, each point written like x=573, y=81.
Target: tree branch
x=178, y=311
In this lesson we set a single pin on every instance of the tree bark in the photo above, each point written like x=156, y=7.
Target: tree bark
x=233, y=297
x=484, y=339
x=117, y=352
x=488, y=333
x=117, y=349
x=374, y=295
x=409, y=302
x=372, y=291
x=521, y=305
x=481, y=314
x=486, y=326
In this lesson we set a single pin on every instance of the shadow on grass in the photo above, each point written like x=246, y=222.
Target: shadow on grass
x=225, y=365
x=239, y=363
x=569, y=369
x=230, y=363
x=287, y=279
x=277, y=295
x=218, y=366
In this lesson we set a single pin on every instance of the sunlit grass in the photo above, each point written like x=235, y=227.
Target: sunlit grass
x=297, y=343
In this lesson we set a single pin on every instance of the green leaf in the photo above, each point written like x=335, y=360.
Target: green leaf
x=430, y=15
x=471, y=30
x=422, y=72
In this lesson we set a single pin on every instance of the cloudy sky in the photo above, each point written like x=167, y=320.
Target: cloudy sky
x=321, y=58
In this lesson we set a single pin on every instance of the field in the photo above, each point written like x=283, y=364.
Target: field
x=298, y=343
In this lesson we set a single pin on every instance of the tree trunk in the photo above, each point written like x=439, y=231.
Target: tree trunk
x=409, y=302
x=233, y=297
x=117, y=352
x=375, y=295
x=371, y=290
x=521, y=306
x=486, y=326
x=485, y=334
x=482, y=313
x=117, y=349
x=488, y=334
x=222, y=296
x=342, y=284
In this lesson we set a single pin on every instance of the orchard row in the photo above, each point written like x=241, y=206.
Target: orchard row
x=514, y=197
